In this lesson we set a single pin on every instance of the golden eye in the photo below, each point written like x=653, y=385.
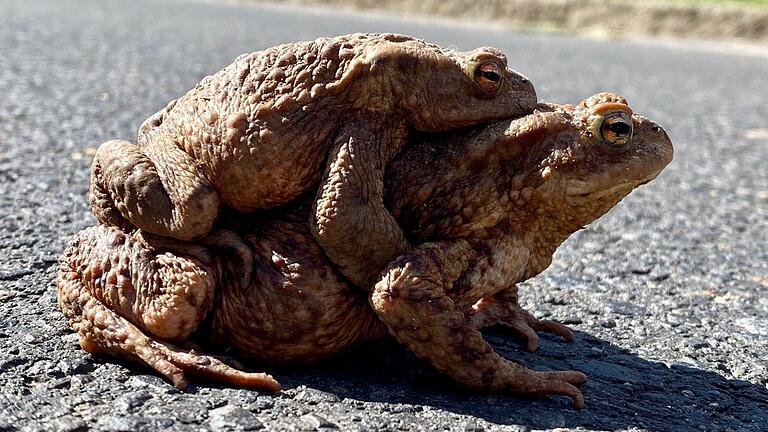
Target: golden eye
x=489, y=76
x=616, y=129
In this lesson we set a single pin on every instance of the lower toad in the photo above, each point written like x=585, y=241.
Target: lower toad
x=485, y=208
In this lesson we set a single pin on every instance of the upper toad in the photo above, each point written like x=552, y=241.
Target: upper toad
x=256, y=134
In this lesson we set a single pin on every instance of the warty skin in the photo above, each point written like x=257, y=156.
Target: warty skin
x=279, y=122
x=485, y=208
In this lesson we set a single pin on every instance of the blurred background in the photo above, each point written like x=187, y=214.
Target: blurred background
x=712, y=19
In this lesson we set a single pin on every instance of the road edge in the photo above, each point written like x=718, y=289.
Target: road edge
x=595, y=17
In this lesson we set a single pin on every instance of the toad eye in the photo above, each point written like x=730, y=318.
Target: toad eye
x=616, y=129
x=488, y=76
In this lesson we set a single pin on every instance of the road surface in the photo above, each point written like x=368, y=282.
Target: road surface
x=666, y=293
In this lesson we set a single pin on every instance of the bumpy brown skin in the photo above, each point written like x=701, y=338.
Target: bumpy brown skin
x=256, y=135
x=486, y=208
x=489, y=212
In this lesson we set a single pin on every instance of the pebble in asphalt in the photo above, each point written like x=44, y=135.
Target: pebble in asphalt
x=666, y=293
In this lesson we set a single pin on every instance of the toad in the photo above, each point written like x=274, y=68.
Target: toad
x=485, y=208
x=276, y=123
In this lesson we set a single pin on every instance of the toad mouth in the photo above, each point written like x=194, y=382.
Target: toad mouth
x=581, y=188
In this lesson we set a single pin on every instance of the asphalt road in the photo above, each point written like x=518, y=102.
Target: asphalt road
x=667, y=293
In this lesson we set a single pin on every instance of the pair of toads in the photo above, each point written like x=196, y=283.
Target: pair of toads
x=392, y=188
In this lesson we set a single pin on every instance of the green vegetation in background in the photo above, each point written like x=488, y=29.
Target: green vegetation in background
x=720, y=2
x=756, y=3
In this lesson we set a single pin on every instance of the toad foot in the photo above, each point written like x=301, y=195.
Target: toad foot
x=503, y=309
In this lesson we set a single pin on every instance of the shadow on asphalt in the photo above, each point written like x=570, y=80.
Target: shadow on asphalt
x=623, y=389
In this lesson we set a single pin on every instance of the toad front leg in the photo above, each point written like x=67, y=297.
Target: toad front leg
x=349, y=219
x=129, y=297
x=412, y=300
x=503, y=309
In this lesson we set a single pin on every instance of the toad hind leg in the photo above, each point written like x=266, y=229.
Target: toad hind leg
x=156, y=187
x=411, y=300
x=504, y=309
x=102, y=330
x=119, y=294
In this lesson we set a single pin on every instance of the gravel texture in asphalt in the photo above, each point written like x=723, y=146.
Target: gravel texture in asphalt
x=666, y=293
